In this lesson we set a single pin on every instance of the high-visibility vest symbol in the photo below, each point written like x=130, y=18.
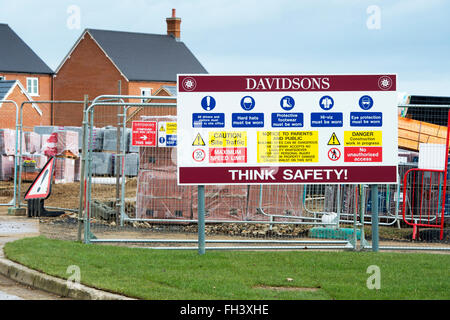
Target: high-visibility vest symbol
x=198, y=141
x=334, y=141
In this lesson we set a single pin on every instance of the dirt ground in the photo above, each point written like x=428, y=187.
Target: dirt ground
x=66, y=227
x=68, y=195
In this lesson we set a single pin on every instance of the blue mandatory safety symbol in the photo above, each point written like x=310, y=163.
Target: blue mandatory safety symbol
x=247, y=103
x=208, y=103
x=326, y=102
x=366, y=102
x=162, y=140
x=287, y=103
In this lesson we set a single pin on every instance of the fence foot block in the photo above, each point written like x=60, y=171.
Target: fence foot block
x=22, y=212
x=330, y=233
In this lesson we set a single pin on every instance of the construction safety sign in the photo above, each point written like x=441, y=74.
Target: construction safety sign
x=275, y=129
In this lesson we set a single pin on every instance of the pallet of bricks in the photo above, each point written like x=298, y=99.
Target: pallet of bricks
x=7, y=152
x=50, y=141
x=65, y=144
x=160, y=197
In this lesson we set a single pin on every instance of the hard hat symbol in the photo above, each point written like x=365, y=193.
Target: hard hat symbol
x=247, y=103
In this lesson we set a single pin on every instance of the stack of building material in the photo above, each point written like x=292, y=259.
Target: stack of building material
x=97, y=139
x=79, y=130
x=64, y=170
x=131, y=164
x=67, y=143
x=224, y=202
x=96, y=143
x=32, y=142
x=413, y=132
x=8, y=142
x=131, y=148
x=60, y=143
x=102, y=163
x=110, y=139
x=47, y=129
x=6, y=167
x=77, y=169
x=159, y=196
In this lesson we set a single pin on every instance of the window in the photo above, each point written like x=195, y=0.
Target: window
x=146, y=92
x=2, y=78
x=33, y=86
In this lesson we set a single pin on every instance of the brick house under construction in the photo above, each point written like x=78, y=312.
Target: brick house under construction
x=101, y=60
x=23, y=77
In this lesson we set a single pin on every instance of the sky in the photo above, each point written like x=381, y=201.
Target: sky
x=408, y=37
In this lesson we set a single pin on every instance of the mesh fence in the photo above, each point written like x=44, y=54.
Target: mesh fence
x=156, y=207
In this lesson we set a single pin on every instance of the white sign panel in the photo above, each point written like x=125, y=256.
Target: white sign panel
x=256, y=129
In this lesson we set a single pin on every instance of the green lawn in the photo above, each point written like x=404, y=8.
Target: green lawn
x=157, y=274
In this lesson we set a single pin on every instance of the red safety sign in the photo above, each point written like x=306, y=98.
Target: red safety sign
x=42, y=185
x=334, y=154
x=363, y=154
x=144, y=134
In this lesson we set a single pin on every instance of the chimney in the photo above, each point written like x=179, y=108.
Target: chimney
x=173, y=26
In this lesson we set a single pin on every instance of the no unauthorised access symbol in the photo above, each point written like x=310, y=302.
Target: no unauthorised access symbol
x=334, y=141
x=334, y=154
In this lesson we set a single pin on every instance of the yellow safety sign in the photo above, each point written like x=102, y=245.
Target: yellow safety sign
x=287, y=146
x=334, y=141
x=224, y=139
x=198, y=141
x=363, y=138
x=171, y=127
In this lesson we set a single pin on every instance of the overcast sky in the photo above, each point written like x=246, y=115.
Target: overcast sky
x=407, y=37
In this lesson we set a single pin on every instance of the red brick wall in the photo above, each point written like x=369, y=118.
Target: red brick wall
x=45, y=94
x=135, y=115
x=87, y=71
x=31, y=117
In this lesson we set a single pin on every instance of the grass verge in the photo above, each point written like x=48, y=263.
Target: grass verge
x=155, y=274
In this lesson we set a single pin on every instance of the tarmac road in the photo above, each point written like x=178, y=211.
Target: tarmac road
x=13, y=228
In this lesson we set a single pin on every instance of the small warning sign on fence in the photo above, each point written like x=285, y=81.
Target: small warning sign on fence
x=144, y=134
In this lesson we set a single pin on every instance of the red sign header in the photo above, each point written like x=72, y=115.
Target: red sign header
x=255, y=83
x=277, y=175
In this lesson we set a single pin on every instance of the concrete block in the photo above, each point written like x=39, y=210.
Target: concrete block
x=131, y=164
x=102, y=163
x=110, y=140
x=18, y=212
x=131, y=148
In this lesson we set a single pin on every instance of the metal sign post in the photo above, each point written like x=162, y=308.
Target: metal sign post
x=375, y=235
x=201, y=220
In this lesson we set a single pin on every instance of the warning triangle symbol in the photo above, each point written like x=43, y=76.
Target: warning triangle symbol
x=162, y=129
x=41, y=186
x=334, y=141
x=198, y=141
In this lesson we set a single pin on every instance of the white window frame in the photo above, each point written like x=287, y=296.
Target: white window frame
x=2, y=77
x=30, y=90
x=143, y=90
